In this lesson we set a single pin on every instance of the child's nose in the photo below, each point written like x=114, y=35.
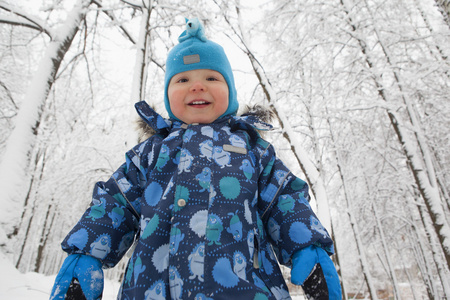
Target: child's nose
x=198, y=86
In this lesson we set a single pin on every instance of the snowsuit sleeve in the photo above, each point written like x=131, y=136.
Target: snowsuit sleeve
x=108, y=227
x=287, y=217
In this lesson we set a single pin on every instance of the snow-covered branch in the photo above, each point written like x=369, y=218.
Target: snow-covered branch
x=22, y=18
x=113, y=18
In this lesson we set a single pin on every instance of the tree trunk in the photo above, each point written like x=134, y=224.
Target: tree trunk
x=424, y=261
x=444, y=8
x=435, y=248
x=27, y=217
x=353, y=222
x=442, y=55
x=141, y=66
x=387, y=254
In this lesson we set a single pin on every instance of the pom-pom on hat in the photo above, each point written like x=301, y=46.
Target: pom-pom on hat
x=195, y=52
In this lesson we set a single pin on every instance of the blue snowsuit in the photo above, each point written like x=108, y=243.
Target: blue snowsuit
x=210, y=208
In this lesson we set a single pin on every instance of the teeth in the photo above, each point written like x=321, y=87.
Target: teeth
x=199, y=102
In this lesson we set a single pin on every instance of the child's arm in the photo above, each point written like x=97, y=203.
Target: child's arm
x=284, y=204
x=302, y=242
x=107, y=228
x=105, y=231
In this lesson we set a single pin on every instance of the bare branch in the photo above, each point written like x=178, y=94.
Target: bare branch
x=8, y=93
x=135, y=4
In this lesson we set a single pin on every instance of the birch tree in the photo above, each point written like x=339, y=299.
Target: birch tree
x=15, y=163
x=444, y=7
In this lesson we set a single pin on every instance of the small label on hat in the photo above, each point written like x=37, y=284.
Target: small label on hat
x=191, y=59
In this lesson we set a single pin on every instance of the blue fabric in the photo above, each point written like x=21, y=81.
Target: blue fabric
x=210, y=56
x=88, y=271
x=211, y=208
x=303, y=263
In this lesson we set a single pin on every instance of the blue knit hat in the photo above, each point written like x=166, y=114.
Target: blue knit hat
x=195, y=52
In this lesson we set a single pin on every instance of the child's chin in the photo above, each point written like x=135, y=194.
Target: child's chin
x=201, y=120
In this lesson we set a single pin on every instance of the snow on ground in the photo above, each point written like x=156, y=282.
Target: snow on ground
x=18, y=286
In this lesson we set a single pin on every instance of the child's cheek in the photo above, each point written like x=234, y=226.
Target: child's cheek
x=176, y=100
x=222, y=100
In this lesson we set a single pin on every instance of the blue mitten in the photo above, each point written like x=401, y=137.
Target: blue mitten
x=80, y=276
x=313, y=269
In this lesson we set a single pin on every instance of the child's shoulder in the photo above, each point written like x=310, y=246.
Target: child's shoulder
x=255, y=120
x=264, y=114
x=144, y=130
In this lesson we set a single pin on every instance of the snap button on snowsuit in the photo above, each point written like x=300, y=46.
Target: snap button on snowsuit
x=181, y=202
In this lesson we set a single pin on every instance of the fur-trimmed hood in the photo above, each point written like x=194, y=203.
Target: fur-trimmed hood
x=261, y=113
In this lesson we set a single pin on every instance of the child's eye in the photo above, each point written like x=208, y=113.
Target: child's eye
x=182, y=80
x=211, y=78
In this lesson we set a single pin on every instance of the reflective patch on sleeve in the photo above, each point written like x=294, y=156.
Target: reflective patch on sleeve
x=235, y=149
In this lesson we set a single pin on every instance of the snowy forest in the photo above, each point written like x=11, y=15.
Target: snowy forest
x=360, y=91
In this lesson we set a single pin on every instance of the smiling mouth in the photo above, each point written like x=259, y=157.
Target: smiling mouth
x=199, y=103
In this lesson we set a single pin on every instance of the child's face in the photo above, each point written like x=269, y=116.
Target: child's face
x=198, y=96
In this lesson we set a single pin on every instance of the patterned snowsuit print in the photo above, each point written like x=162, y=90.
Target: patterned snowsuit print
x=211, y=208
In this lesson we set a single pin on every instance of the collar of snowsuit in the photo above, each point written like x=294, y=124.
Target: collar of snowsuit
x=249, y=122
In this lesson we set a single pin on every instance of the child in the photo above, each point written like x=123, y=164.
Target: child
x=207, y=203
